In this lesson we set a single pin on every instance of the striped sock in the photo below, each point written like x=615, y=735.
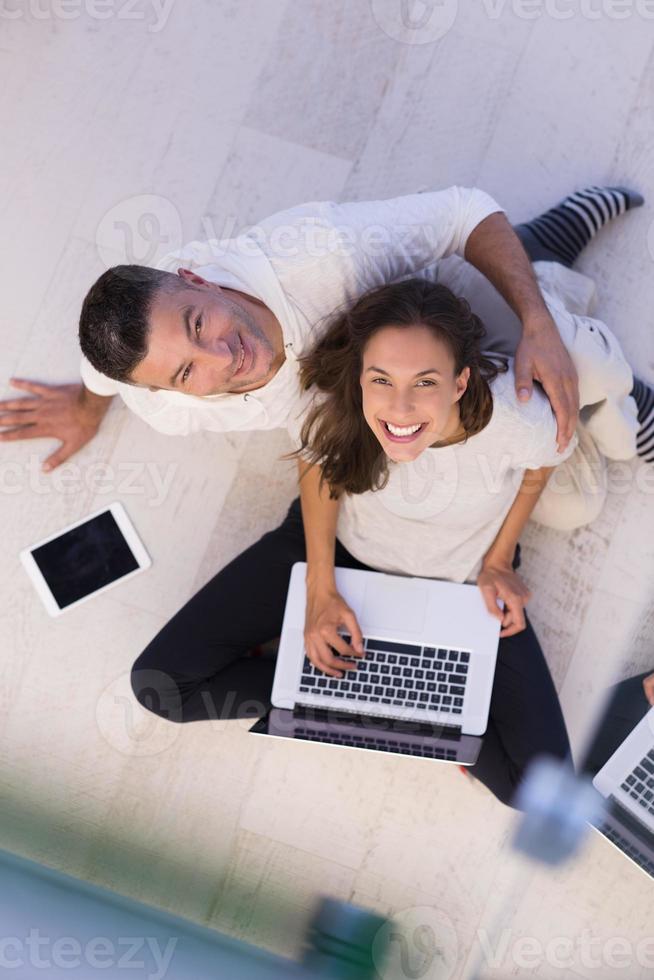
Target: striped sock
x=644, y=398
x=560, y=234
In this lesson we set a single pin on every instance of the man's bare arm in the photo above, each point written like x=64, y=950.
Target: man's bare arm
x=494, y=248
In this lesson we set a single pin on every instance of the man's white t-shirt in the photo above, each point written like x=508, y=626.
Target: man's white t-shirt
x=438, y=516
x=304, y=264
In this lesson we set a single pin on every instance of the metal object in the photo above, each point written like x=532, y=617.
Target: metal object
x=341, y=938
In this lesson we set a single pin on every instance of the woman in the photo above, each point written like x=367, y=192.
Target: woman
x=419, y=460
x=198, y=667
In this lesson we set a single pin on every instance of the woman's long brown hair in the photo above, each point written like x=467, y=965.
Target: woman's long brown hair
x=335, y=433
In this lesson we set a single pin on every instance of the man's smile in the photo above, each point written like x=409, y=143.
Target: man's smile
x=241, y=356
x=245, y=357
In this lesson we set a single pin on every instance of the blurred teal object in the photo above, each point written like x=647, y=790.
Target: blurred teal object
x=53, y=923
x=341, y=939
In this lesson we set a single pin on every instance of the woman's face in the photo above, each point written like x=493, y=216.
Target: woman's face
x=410, y=392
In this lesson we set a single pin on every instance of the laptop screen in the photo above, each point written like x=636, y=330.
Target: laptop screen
x=402, y=737
x=629, y=834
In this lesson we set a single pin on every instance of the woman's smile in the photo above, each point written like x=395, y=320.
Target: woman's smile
x=402, y=433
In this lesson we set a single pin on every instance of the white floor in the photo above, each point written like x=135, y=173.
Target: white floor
x=231, y=110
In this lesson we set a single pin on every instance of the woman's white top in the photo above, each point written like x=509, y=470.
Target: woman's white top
x=438, y=516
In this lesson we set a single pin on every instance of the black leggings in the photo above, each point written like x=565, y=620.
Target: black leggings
x=198, y=667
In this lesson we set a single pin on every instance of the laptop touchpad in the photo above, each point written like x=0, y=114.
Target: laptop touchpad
x=394, y=605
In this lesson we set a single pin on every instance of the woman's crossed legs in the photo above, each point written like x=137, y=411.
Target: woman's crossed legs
x=197, y=667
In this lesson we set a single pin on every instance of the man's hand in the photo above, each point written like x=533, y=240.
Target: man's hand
x=497, y=580
x=541, y=355
x=494, y=248
x=326, y=611
x=648, y=687
x=70, y=413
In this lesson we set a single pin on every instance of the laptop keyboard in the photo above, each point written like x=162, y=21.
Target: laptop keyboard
x=627, y=848
x=403, y=675
x=377, y=742
x=640, y=783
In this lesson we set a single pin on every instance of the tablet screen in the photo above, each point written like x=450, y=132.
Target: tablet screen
x=85, y=559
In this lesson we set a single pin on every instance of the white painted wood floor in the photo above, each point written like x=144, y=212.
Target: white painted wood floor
x=232, y=110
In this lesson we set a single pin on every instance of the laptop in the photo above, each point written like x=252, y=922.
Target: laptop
x=424, y=685
x=626, y=781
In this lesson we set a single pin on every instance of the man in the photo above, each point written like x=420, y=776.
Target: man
x=258, y=301
x=215, y=346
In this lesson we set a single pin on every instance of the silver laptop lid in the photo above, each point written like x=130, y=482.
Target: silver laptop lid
x=436, y=616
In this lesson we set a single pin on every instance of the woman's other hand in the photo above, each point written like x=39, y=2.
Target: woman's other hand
x=497, y=580
x=648, y=687
x=326, y=612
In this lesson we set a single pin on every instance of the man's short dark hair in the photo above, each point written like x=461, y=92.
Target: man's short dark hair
x=114, y=322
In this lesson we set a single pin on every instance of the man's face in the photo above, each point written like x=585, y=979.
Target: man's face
x=202, y=342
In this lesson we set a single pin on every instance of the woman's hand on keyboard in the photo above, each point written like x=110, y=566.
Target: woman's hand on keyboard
x=497, y=580
x=327, y=611
x=648, y=687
